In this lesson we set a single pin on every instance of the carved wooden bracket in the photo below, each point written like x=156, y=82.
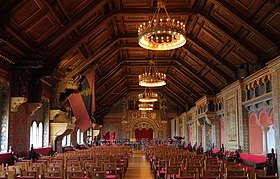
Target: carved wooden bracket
x=54, y=113
x=16, y=102
x=33, y=107
x=74, y=119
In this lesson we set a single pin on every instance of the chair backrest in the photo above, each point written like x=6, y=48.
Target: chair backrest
x=188, y=172
x=172, y=170
x=70, y=174
x=212, y=172
x=235, y=173
x=97, y=175
x=110, y=168
x=17, y=169
x=33, y=173
x=52, y=174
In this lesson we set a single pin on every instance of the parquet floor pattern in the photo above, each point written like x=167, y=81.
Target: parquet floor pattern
x=139, y=166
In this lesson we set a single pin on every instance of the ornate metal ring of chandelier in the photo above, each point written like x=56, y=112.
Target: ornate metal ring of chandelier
x=161, y=34
x=146, y=106
x=148, y=96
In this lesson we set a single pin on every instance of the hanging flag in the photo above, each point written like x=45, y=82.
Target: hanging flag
x=83, y=103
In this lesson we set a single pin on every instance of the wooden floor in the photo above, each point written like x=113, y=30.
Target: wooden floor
x=139, y=166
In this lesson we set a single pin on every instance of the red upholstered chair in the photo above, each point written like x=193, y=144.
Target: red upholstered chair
x=110, y=170
x=171, y=171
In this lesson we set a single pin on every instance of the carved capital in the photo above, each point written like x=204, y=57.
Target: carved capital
x=33, y=107
x=16, y=102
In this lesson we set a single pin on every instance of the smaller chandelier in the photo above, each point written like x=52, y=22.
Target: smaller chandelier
x=146, y=106
x=147, y=96
x=151, y=77
x=160, y=33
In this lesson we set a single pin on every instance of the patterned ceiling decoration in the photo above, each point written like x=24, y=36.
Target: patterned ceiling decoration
x=59, y=39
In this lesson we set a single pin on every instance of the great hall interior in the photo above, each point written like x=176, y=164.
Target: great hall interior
x=74, y=75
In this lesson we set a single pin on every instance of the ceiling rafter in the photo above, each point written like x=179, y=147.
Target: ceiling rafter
x=249, y=24
x=116, y=83
x=63, y=31
x=183, y=90
x=116, y=97
x=182, y=71
x=173, y=96
x=205, y=84
x=104, y=77
x=233, y=37
x=222, y=76
x=99, y=25
x=211, y=54
x=191, y=91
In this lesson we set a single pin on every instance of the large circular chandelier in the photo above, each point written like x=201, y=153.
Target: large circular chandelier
x=160, y=33
x=148, y=96
x=146, y=106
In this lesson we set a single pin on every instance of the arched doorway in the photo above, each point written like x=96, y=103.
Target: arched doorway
x=143, y=130
x=143, y=133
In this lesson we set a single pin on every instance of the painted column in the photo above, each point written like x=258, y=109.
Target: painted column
x=274, y=67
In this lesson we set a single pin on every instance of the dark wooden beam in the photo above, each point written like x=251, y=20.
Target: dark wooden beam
x=173, y=96
x=101, y=23
x=212, y=54
x=117, y=83
x=66, y=29
x=234, y=38
x=204, y=83
x=116, y=97
x=179, y=87
x=221, y=75
x=195, y=94
x=248, y=24
x=114, y=70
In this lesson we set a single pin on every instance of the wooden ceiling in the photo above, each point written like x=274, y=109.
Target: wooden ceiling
x=58, y=39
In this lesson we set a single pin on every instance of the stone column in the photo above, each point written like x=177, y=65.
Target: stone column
x=245, y=124
x=274, y=67
x=264, y=140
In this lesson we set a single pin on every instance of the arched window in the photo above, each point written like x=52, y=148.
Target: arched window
x=36, y=134
x=40, y=135
x=33, y=133
x=270, y=139
x=66, y=141
x=80, y=137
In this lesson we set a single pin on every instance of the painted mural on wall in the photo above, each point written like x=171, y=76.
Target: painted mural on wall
x=4, y=117
x=19, y=129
